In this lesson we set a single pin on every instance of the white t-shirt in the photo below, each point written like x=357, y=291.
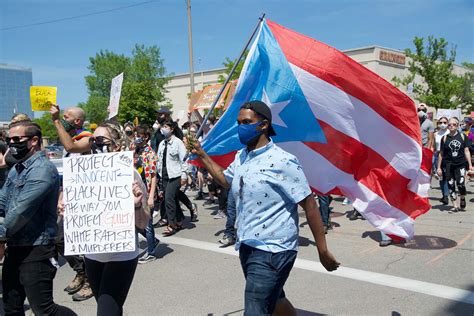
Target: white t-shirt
x=438, y=136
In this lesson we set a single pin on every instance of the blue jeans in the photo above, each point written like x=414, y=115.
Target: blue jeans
x=443, y=184
x=265, y=275
x=229, y=225
x=149, y=234
x=324, y=201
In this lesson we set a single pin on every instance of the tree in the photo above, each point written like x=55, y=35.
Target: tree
x=228, y=64
x=142, y=89
x=466, y=96
x=48, y=130
x=440, y=87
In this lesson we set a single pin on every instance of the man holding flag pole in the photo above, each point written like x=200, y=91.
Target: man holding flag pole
x=321, y=108
x=267, y=184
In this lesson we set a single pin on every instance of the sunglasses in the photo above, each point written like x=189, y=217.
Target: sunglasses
x=16, y=139
x=451, y=124
x=101, y=140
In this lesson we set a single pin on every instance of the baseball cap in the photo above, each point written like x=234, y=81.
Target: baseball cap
x=163, y=109
x=262, y=109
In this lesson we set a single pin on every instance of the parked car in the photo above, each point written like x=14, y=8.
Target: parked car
x=54, y=152
x=58, y=163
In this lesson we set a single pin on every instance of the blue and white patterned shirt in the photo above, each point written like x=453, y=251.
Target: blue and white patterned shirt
x=267, y=185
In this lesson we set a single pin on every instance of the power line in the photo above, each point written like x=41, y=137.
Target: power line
x=9, y=28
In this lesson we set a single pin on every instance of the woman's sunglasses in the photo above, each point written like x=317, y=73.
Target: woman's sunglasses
x=101, y=140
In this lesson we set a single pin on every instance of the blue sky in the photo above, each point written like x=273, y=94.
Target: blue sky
x=59, y=52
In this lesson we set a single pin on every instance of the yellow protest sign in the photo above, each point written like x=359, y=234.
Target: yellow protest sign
x=42, y=97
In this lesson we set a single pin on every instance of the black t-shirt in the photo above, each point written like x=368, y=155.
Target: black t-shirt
x=453, y=147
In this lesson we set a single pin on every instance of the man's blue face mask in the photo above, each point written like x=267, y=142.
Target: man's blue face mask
x=249, y=132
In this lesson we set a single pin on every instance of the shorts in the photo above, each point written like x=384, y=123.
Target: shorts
x=265, y=274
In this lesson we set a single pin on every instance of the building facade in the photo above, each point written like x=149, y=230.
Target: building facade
x=386, y=62
x=15, y=85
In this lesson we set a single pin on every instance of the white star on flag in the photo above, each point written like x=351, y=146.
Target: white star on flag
x=276, y=108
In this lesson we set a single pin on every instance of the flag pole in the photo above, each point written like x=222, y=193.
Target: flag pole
x=204, y=121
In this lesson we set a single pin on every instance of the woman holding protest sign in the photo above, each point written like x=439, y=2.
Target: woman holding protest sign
x=111, y=274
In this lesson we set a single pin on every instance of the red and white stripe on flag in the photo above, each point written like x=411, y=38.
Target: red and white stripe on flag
x=373, y=154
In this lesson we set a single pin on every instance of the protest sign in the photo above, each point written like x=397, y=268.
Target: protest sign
x=42, y=97
x=208, y=95
x=115, y=91
x=448, y=113
x=99, y=211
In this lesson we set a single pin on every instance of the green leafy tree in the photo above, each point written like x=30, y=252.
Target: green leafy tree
x=228, y=64
x=142, y=88
x=48, y=129
x=440, y=87
x=466, y=96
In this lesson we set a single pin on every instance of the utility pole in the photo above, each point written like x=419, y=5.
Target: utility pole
x=190, y=44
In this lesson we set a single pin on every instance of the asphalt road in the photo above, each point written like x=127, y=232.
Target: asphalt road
x=431, y=275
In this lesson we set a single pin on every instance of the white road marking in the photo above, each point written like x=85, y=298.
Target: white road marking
x=427, y=288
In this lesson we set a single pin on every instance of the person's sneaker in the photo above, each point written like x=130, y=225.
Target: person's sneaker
x=444, y=200
x=355, y=215
x=209, y=202
x=199, y=196
x=327, y=228
x=226, y=241
x=146, y=258
x=194, y=213
x=84, y=294
x=220, y=214
x=385, y=243
x=75, y=284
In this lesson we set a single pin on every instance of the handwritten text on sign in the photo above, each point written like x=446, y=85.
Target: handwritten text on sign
x=98, y=203
x=42, y=97
x=115, y=92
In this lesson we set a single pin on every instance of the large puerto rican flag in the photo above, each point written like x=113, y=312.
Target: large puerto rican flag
x=354, y=133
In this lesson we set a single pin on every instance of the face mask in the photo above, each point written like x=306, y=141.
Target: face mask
x=99, y=148
x=138, y=140
x=421, y=114
x=128, y=132
x=249, y=132
x=443, y=126
x=68, y=126
x=156, y=126
x=166, y=132
x=185, y=132
x=161, y=120
x=19, y=150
